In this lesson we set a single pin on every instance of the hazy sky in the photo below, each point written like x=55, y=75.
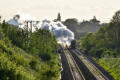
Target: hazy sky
x=80, y=9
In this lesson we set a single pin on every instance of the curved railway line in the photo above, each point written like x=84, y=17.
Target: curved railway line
x=95, y=71
x=77, y=69
x=98, y=71
x=77, y=66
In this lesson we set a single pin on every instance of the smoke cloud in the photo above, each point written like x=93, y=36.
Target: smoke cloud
x=64, y=36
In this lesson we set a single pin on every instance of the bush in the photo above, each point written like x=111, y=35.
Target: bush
x=45, y=56
x=10, y=71
x=112, y=65
x=33, y=64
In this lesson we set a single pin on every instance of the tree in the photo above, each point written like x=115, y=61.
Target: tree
x=116, y=17
x=94, y=20
x=71, y=24
x=114, y=29
x=3, y=24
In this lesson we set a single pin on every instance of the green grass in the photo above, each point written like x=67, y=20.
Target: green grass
x=112, y=65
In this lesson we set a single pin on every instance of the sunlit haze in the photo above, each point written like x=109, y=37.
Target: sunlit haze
x=80, y=9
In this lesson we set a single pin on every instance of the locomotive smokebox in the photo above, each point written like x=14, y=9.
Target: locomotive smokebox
x=73, y=44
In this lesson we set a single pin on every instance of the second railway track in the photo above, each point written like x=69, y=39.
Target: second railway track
x=81, y=67
x=98, y=74
x=84, y=70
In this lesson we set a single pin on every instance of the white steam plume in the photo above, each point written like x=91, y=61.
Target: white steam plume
x=63, y=35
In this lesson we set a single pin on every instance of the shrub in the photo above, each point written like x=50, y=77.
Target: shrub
x=33, y=64
x=10, y=71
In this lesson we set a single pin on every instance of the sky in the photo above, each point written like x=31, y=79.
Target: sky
x=80, y=9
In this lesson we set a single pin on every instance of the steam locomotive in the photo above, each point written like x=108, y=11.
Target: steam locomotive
x=73, y=44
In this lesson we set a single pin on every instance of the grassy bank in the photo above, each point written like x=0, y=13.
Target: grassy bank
x=112, y=65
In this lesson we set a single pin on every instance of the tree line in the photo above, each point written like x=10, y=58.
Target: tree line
x=28, y=57
x=105, y=42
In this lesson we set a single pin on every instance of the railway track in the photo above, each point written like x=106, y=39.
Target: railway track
x=84, y=69
x=102, y=70
x=92, y=68
x=66, y=73
x=80, y=67
x=75, y=71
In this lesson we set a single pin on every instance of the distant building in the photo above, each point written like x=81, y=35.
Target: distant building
x=0, y=19
x=58, y=18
